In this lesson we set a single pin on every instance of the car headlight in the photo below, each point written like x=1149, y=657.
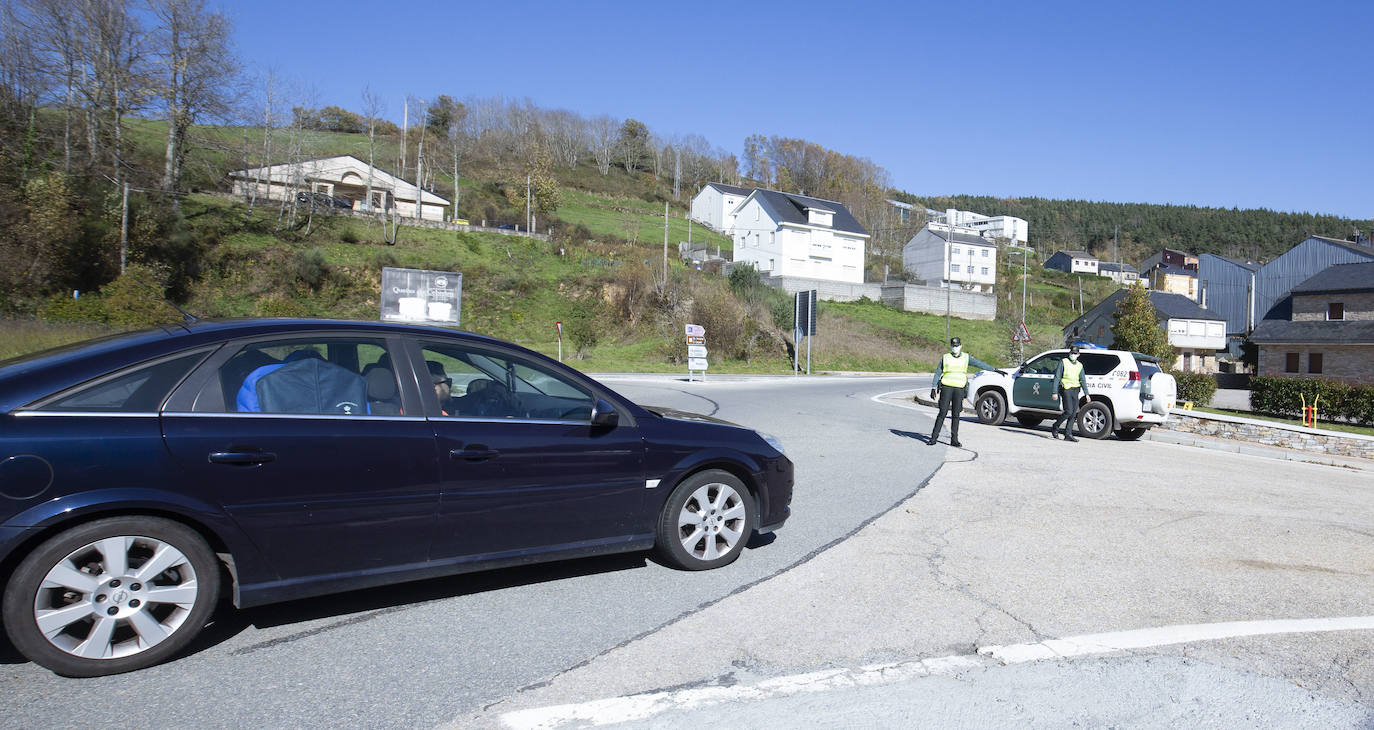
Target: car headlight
x=772, y=441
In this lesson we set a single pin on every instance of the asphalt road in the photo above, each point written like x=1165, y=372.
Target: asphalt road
x=1032, y=583
x=426, y=653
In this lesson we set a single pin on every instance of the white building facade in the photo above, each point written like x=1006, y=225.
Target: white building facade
x=345, y=177
x=999, y=226
x=782, y=234
x=714, y=206
x=951, y=256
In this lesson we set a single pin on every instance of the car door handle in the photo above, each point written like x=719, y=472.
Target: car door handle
x=242, y=458
x=474, y=453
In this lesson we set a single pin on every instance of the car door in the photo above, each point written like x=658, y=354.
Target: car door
x=522, y=470
x=324, y=489
x=1035, y=386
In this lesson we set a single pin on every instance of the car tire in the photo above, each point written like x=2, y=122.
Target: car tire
x=1030, y=421
x=706, y=521
x=991, y=408
x=1095, y=421
x=1131, y=434
x=85, y=603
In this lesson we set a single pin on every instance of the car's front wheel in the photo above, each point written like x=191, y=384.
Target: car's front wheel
x=1095, y=421
x=111, y=596
x=706, y=521
x=991, y=408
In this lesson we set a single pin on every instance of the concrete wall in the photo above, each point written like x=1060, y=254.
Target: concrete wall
x=909, y=297
x=1310, y=440
x=1349, y=363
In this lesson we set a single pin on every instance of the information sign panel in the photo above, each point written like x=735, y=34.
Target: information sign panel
x=416, y=295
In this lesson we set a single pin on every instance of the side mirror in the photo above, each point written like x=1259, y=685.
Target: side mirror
x=604, y=415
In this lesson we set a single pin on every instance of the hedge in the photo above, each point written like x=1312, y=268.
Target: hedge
x=1195, y=387
x=1334, y=399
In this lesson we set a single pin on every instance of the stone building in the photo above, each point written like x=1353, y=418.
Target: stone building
x=1324, y=329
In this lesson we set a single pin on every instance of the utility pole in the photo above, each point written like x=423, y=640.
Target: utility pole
x=665, y=243
x=949, y=259
x=405, y=128
x=527, y=202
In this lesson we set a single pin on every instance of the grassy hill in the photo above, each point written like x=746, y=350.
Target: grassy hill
x=601, y=274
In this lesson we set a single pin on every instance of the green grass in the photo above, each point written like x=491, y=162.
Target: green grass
x=24, y=336
x=634, y=219
x=1324, y=425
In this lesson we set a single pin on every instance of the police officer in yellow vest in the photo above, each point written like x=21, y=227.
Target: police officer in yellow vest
x=1072, y=385
x=951, y=376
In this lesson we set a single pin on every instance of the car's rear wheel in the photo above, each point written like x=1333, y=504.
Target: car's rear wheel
x=111, y=596
x=991, y=408
x=706, y=521
x=1029, y=421
x=1095, y=421
x=1131, y=434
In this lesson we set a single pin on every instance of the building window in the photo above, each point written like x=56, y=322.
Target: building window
x=1335, y=311
x=954, y=268
x=1314, y=363
x=954, y=250
x=1290, y=362
x=985, y=271
x=985, y=253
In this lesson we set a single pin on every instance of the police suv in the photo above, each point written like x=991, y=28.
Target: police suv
x=1127, y=392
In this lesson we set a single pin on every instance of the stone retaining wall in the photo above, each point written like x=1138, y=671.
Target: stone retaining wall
x=1268, y=433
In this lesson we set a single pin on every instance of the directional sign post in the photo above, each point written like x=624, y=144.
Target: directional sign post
x=696, y=350
x=559, y=326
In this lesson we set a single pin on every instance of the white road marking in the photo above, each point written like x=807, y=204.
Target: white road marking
x=643, y=706
x=1165, y=635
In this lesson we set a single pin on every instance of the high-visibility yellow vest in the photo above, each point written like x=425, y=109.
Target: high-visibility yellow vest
x=1073, y=372
x=954, y=370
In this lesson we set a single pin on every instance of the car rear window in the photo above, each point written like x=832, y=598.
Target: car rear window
x=140, y=390
x=1099, y=363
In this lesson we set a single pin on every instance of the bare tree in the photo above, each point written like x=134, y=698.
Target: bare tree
x=115, y=84
x=605, y=131
x=191, y=47
x=372, y=113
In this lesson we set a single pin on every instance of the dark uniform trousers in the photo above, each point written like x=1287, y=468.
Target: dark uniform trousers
x=1068, y=398
x=952, y=400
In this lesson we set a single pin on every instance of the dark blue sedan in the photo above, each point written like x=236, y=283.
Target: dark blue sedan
x=144, y=475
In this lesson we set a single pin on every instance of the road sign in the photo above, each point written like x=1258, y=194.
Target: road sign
x=696, y=351
x=696, y=339
x=804, y=309
x=1022, y=333
x=695, y=329
x=697, y=363
x=559, y=326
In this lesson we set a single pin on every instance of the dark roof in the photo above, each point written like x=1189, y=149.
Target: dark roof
x=1340, y=278
x=1167, y=306
x=1109, y=266
x=1353, y=332
x=949, y=236
x=1351, y=245
x=792, y=209
x=1078, y=254
x=734, y=189
x=1174, y=270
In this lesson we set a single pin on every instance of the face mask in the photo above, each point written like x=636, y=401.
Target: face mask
x=1073, y=356
x=956, y=350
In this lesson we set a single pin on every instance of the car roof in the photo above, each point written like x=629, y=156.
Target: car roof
x=29, y=377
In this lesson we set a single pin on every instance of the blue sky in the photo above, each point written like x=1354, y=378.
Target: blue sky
x=1227, y=104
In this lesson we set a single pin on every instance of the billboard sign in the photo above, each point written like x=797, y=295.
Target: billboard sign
x=424, y=297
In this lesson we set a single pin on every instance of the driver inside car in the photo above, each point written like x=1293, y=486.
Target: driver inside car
x=443, y=388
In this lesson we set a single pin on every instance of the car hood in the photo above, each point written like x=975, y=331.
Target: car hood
x=687, y=416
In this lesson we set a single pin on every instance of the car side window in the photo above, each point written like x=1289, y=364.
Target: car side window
x=473, y=383
x=140, y=390
x=1043, y=365
x=322, y=376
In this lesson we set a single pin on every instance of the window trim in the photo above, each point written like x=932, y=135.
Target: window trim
x=37, y=406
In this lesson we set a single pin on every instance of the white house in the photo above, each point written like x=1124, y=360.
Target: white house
x=783, y=234
x=951, y=256
x=990, y=226
x=1073, y=262
x=715, y=205
x=344, y=176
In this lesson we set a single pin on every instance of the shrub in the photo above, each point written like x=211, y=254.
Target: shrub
x=584, y=326
x=1334, y=399
x=1196, y=387
x=349, y=236
x=311, y=268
